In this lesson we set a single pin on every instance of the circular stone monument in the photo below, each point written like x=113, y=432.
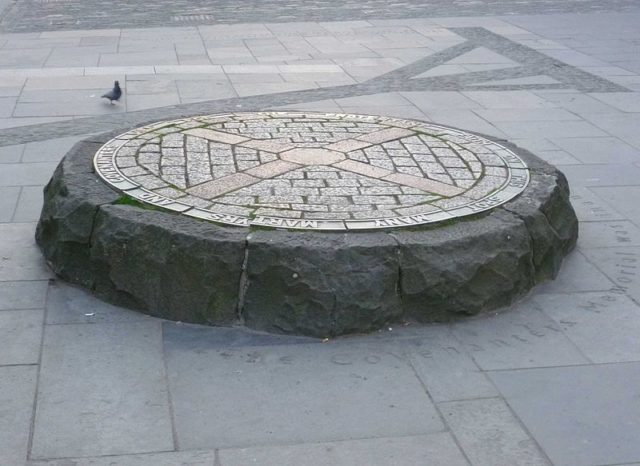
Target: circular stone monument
x=320, y=224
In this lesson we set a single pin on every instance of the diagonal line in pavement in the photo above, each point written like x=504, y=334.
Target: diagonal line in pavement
x=534, y=63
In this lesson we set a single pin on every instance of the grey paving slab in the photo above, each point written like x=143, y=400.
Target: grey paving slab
x=67, y=304
x=60, y=108
x=581, y=104
x=102, y=391
x=557, y=157
x=440, y=100
x=464, y=119
x=520, y=337
x=576, y=274
x=49, y=151
x=20, y=334
x=623, y=199
x=7, y=104
x=204, y=89
x=599, y=150
x=140, y=102
x=590, y=207
x=622, y=125
x=17, y=390
x=601, y=175
x=549, y=129
x=152, y=84
x=20, y=258
x=508, y=99
x=23, y=58
x=434, y=449
x=621, y=100
x=8, y=200
x=178, y=458
x=77, y=56
x=584, y=415
x=608, y=234
x=23, y=295
x=249, y=89
x=591, y=319
x=490, y=434
x=293, y=394
x=198, y=338
x=525, y=114
x=26, y=174
x=620, y=265
x=446, y=369
x=150, y=57
x=72, y=82
x=11, y=154
x=29, y=204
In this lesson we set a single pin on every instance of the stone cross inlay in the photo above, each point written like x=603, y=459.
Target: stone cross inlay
x=320, y=171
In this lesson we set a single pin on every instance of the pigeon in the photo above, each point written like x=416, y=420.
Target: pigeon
x=114, y=94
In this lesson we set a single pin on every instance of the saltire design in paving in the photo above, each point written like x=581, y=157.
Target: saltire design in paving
x=311, y=170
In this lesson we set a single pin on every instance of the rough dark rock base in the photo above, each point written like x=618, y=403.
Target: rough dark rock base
x=313, y=283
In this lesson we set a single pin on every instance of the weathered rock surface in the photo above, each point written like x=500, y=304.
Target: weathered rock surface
x=464, y=268
x=321, y=283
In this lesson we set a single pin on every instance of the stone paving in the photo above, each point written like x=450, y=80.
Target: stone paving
x=551, y=380
x=323, y=171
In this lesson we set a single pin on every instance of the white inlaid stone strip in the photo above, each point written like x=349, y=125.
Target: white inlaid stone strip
x=312, y=156
x=216, y=136
x=425, y=184
x=347, y=145
x=221, y=186
x=378, y=137
x=267, y=145
x=271, y=169
x=362, y=169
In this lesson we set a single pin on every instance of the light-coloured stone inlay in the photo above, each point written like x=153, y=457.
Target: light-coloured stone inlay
x=311, y=171
x=311, y=156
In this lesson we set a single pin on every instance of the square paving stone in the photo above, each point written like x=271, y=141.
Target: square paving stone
x=26, y=174
x=242, y=396
x=490, y=434
x=68, y=304
x=521, y=336
x=605, y=326
x=623, y=199
x=17, y=390
x=447, y=370
x=11, y=154
x=20, y=334
x=601, y=175
x=608, y=234
x=177, y=458
x=576, y=274
x=23, y=295
x=8, y=200
x=622, y=265
x=29, y=204
x=20, y=258
x=102, y=391
x=583, y=415
x=599, y=150
x=590, y=206
x=433, y=450
x=51, y=150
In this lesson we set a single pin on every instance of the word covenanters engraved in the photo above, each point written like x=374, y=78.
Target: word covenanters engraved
x=321, y=171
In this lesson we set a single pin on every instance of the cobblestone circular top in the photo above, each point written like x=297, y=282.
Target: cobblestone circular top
x=322, y=171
